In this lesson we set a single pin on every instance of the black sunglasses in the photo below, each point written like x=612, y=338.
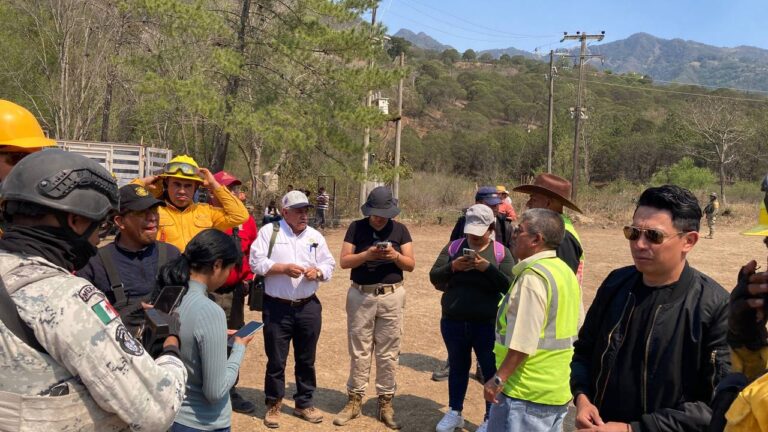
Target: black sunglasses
x=654, y=236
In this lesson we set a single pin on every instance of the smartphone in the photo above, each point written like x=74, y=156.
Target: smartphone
x=382, y=245
x=246, y=330
x=169, y=298
x=469, y=253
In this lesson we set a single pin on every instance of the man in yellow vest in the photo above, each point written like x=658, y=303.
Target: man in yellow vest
x=552, y=192
x=536, y=325
x=182, y=218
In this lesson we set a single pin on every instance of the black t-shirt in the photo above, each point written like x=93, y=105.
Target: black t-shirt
x=361, y=234
x=570, y=251
x=627, y=377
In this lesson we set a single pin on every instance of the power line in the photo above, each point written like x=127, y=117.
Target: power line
x=499, y=40
x=667, y=91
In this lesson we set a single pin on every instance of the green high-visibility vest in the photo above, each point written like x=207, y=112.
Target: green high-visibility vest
x=544, y=376
x=569, y=227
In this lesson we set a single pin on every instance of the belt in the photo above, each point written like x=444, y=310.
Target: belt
x=377, y=289
x=294, y=303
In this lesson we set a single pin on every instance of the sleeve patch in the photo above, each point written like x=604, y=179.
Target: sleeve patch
x=105, y=311
x=89, y=291
x=127, y=342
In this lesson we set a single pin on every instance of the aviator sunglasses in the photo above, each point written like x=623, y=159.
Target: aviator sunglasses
x=654, y=236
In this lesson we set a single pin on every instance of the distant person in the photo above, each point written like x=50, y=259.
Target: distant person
x=293, y=267
x=126, y=269
x=537, y=322
x=711, y=210
x=322, y=201
x=205, y=264
x=505, y=207
x=271, y=213
x=552, y=192
x=378, y=249
x=181, y=218
x=653, y=345
x=231, y=295
x=472, y=286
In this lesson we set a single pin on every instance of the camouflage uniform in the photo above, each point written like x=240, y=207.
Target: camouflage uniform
x=711, y=211
x=94, y=376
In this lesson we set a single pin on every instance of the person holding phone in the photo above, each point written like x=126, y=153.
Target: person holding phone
x=473, y=273
x=202, y=268
x=378, y=250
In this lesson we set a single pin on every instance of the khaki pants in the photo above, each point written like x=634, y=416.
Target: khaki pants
x=374, y=326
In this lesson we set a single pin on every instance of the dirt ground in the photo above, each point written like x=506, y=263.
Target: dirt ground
x=421, y=402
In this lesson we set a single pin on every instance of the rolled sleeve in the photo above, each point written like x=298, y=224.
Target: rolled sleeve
x=526, y=313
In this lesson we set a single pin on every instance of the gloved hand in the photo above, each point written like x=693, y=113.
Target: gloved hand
x=747, y=309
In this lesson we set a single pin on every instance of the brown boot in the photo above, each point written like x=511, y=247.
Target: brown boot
x=387, y=412
x=310, y=414
x=350, y=411
x=272, y=417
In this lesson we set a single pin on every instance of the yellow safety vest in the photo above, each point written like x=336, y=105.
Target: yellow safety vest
x=544, y=376
x=569, y=227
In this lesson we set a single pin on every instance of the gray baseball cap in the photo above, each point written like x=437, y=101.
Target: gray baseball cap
x=478, y=218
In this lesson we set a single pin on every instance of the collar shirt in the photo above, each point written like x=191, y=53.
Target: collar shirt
x=307, y=249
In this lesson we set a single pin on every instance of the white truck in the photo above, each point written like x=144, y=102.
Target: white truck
x=125, y=161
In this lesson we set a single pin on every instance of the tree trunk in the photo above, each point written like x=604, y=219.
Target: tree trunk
x=221, y=140
x=107, y=108
x=722, y=182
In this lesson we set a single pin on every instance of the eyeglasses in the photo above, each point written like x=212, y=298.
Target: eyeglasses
x=180, y=167
x=654, y=236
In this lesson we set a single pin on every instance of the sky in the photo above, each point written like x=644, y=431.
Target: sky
x=528, y=25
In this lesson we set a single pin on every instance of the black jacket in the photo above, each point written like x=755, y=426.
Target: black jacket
x=687, y=353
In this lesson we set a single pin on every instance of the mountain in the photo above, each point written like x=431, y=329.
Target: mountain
x=421, y=40
x=686, y=61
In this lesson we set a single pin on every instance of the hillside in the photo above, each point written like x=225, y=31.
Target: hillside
x=421, y=40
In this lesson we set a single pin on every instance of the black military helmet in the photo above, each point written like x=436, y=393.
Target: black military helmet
x=63, y=181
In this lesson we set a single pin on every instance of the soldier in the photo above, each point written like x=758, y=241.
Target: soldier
x=67, y=361
x=711, y=211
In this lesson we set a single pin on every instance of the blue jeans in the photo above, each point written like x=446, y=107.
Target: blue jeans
x=461, y=338
x=516, y=415
x=177, y=427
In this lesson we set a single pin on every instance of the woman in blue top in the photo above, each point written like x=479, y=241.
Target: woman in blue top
x=204, y=267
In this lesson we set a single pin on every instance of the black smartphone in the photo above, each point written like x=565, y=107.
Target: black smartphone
x=245, y=331
x=169, y=298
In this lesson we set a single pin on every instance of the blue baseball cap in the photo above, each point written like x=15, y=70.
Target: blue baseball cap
x=488, y=195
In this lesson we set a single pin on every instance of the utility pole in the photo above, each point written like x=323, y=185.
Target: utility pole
x=578, y=112
x=551, y=108
x=367, y=133
x=396, y=182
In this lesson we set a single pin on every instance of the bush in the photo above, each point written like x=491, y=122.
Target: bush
x=684, y=173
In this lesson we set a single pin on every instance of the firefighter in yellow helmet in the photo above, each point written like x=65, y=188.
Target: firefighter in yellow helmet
x=20, y=135
x=182, y=218
x=741, y=401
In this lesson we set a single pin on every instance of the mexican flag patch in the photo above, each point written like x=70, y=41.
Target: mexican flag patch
x=105, y=311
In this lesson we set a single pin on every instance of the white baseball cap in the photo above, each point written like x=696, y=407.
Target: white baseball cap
x=295, y=199
x=478, y=218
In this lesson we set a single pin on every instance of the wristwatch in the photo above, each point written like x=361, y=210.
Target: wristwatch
x=319, y=275
x=497, y=381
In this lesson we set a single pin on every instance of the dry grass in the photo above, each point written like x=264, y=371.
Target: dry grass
x=420, y=402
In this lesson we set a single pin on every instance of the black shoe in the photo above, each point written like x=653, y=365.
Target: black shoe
x=241, y=405
x=441, y=373
x=479, y=375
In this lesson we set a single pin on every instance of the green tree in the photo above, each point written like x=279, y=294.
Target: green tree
x=684, y=173
x=398, y=45
x=450, y=56
x=469, y=55
x=486, y=58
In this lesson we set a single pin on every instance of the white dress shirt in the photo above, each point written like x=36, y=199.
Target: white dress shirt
x=308, y=249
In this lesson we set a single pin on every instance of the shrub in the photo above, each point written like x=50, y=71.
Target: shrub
x=684, y=173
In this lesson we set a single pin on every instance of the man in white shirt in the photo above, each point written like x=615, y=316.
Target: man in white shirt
x=298, y=262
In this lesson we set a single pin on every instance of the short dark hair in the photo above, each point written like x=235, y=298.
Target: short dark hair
x=200, y=255
x=685, y=209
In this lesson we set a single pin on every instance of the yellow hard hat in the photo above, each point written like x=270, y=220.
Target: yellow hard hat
x=182, y=167
x=761, y=229
x=20, y=130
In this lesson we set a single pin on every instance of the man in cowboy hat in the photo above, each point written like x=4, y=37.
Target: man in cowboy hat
x=552, y=192
x=378, y=250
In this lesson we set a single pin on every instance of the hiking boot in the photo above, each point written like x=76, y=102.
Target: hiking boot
x=479, y=374
x=441, y=373
x=387, y=412
x=451, y=420
x=310, y=414
x=350, y=411
x=240, y=404
x=272, y=417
